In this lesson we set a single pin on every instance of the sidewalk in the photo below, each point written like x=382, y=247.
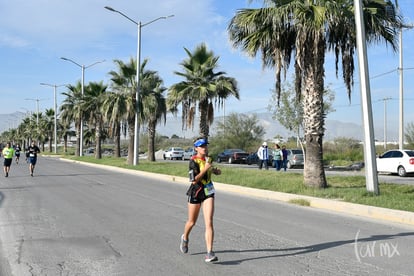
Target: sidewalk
x=375, y=213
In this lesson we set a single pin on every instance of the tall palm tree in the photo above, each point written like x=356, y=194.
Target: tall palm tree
x=64, y=132
x=70, y=110
x=92, y=107
x=201, y=89
x=305, y=30
x=124, y=83
x=115, y=108
x=49, y=126
x=154, y=107
x=41, y=135
x=27, y=130
x=20, y=135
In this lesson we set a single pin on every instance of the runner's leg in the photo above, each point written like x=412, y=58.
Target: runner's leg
x=208, y=211
x=193, y=211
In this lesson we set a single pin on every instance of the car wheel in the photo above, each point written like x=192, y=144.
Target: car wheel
x=231, y=160
x=218, y=160
x=165, y=158
x=289, y=165
x=401, y=171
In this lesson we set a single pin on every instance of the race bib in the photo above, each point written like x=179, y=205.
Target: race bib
x=31, y=155
x=209, y=189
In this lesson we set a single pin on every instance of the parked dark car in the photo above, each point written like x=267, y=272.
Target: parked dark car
x=232, y=156
x=254, y=159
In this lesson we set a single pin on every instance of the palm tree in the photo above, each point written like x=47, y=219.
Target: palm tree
x=49, y=125
x=70, y=110
x=305, y=30
x=154, y=107
x=115, y=108
x=124, y=83
x=92, y=107
x=201, y=88
x=41, y=135
x=20, y=135
x=27, y=130
x=64, y=132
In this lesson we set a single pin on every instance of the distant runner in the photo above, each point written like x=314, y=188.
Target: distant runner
x=17, y=150
x=32, y=150
x=8, y=153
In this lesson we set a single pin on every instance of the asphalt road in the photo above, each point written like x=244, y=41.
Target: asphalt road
x=72, y=219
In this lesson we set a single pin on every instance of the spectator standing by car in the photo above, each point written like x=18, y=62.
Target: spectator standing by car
x=284, y=157
x=8, y=153
x=277, y=157
x=201, y=194
x=263, y=155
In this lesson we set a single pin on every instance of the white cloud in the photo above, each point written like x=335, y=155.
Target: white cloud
x=8, y=40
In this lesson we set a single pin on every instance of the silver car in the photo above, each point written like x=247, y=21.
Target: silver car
x=176, y=153
x=295, y=158
x=188, y=153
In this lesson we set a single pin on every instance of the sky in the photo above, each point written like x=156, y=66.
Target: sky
x=34, y=35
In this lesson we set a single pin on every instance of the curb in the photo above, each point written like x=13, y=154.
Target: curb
x=365, y=211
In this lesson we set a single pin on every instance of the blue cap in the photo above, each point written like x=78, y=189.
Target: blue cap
x=200, y=142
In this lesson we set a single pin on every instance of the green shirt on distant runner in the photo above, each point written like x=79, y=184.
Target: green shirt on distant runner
x=8, y=153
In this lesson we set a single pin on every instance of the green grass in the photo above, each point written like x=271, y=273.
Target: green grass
x=344, y=188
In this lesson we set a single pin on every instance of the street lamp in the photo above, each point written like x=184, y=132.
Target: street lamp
x=83, y=67
x=401, y=102
x=385, y=121
x=139, y=26
x=55, y=107
x=37, y=109
x=369, y=145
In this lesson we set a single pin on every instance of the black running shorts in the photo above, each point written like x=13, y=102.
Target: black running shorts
x=196, y=194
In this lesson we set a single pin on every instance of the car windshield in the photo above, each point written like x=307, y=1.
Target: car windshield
x=297, y=151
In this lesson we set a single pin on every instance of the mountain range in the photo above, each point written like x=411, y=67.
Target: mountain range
x=333, y=128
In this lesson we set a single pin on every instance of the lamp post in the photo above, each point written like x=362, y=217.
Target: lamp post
x=55, y=108
x=369, y=145
x=139, y=26
x=83, y=67
x=401, y=103
x=385, y=121
x=400, y=70
x=37, y=109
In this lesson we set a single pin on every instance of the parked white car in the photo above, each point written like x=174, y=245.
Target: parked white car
x=188, y=153
x=400, y=162
x=176, y=153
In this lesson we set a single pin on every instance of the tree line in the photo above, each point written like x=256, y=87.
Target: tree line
x=296, y=31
